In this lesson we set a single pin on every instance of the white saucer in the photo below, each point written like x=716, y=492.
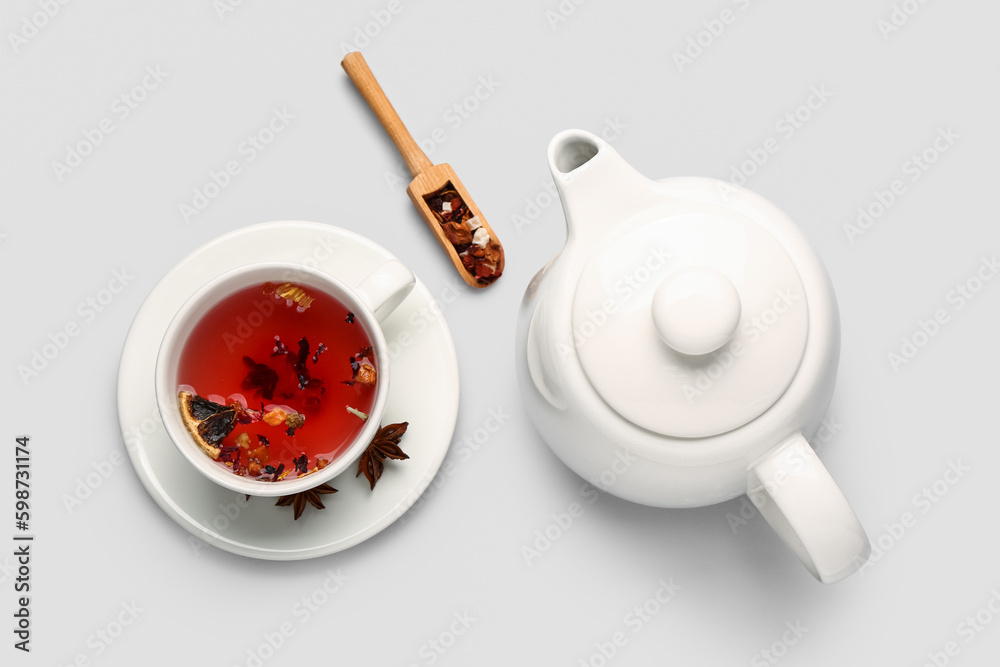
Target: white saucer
x=423, y=392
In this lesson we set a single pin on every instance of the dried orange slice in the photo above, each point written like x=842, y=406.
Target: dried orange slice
x=207, y=422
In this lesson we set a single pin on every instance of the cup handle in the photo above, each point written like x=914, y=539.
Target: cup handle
x=798, y=497
x=385, y=288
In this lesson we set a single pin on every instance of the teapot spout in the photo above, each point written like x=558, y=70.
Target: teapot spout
x=598, y=189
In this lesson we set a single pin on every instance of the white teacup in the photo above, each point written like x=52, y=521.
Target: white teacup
x=371, y=301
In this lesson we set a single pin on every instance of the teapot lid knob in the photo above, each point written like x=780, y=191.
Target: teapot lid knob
x=696, y=310
x=689, y=323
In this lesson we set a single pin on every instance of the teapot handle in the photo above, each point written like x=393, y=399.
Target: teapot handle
x=798, y=497
x=596, y=186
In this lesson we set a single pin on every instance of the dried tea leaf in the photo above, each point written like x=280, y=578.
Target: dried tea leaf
x=484, y=270
x=356, y=412
x=320, y=349
x=457, y=233
x=301, y=370
x=492, y=253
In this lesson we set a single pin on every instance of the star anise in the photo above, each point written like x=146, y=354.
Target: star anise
x=384, y=445
x=312, y=496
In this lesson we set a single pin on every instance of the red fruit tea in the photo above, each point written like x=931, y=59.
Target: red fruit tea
x=299, y=369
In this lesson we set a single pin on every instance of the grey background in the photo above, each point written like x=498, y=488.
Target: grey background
x=894, y=431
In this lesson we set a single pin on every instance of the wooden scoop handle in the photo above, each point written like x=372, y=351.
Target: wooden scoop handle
x=357, y=69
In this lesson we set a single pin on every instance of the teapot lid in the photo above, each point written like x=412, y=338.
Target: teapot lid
x=691, y=324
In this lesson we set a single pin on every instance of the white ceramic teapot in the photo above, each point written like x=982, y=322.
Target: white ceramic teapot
x=682, y=346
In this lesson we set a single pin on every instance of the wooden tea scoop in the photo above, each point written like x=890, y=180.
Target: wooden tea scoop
x=435, y=191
